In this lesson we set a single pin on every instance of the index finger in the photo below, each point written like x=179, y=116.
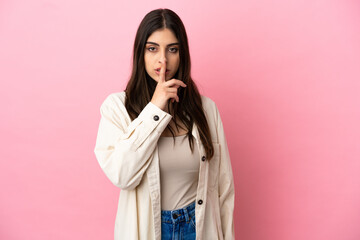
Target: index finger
x=162, y=72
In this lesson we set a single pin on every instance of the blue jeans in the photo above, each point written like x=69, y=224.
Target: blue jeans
x=179, y=224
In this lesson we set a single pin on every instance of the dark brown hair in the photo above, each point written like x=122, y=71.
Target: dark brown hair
x=141, y=86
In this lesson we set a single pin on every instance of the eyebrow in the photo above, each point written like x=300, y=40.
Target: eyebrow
x=171, y=44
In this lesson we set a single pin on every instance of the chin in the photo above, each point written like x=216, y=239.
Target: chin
x=154, y=78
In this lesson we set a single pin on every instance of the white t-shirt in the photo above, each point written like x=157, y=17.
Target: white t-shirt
x=179, y=172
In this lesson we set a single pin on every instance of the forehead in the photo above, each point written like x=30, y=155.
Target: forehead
x=163, y=37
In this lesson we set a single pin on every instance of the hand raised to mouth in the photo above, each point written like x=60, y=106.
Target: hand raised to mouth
x=166, y=89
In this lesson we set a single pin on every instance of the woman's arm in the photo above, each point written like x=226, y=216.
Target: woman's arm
x=123, y=148
x=226, y=184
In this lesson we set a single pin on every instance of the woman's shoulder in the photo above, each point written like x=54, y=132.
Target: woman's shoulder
x=209, y=104
x=120, y=97
x=115, y=98
x=114, y=102
x=206, y=99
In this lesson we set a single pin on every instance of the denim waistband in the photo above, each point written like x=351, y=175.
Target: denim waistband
x=178, y=215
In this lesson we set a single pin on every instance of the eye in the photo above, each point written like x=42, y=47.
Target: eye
x=173, y=50
x=151, y=49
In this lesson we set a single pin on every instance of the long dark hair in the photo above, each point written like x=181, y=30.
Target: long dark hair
x=141, y=86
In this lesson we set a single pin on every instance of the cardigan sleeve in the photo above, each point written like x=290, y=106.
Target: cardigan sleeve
x=226, y=184
x=123, y=147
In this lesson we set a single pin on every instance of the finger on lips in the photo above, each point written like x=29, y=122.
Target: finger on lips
x=162, y=71
x=174, y=83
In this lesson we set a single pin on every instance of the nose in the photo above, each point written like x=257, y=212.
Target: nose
x=162, y=57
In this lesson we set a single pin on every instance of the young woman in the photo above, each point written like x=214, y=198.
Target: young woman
x=163, y=144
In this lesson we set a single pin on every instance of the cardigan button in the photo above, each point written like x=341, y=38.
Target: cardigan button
x=203, y=158
x=200, y=202
x=156, y=117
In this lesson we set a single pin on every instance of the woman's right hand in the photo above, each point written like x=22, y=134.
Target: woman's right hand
x=166, y=89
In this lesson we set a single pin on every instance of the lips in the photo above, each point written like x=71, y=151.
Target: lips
x=158, y=70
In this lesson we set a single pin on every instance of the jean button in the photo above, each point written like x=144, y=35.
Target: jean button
x=175, y=216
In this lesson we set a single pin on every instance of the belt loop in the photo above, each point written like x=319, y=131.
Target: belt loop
x=186, y=213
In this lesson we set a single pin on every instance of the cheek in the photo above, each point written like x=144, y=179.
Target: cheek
x=177, y=62
x=147, y=61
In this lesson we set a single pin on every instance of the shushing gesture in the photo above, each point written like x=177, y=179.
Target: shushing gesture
x=166, y=90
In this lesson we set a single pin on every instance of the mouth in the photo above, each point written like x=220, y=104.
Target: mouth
x=157, y=70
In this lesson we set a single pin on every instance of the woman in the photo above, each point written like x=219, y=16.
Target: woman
x=163, y=144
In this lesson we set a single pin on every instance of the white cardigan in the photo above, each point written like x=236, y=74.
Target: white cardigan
x=127, y=152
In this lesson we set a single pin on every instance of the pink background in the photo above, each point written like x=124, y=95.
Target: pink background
x=285, y=77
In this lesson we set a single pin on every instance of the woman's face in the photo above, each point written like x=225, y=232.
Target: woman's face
x=162, y=46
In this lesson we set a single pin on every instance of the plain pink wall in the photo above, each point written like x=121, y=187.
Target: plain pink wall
x=285, y=77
